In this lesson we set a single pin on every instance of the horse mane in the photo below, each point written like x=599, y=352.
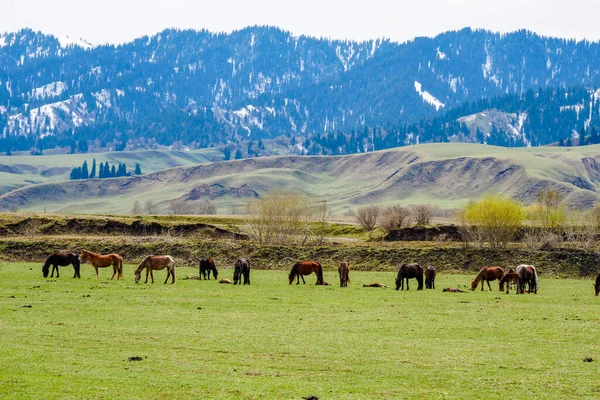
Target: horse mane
x=143, y=264
x=294, y=270
x=480, y=274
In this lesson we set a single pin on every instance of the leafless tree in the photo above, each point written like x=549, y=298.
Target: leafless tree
x=423, y=213
x=367, y=217
x=394, y=217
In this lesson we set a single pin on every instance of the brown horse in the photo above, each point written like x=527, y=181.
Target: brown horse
x=510, y=277
x=103, y=261
x=375, y=284
x=306, y=268
x=430, y=273
x=206, y=266
x=487, y=274
x=344, y=270
x=156, y=263
x=241, y=270
x=597, y=285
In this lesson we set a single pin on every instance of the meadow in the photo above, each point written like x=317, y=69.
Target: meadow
x=89, y=339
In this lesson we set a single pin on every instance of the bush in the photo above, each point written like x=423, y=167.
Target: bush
x=493, y=220
x=423, y=213
x=367, y=217
x=394, y=217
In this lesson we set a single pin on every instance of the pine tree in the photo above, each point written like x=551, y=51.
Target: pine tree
x=101, y=171
x=238, y=154
x=568, y=142
x=107, y=170
x=93, y=171
x=561, y=143
x=226, y=154
x=594, y=139
x=113, y=171
x=138, y=169
x=84, y=170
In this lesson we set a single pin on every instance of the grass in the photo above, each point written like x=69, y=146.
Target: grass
x=199, y=339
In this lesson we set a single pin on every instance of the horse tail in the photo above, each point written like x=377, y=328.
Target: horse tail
x=173, y=269
x=320, y=274
x=535, y=276
x=120, y=268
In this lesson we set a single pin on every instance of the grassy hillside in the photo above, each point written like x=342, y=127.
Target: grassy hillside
x=23, y=170
x=444, y=174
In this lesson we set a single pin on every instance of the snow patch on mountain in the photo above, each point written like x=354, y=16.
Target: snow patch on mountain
x=440, y=55
x=427, y=97
x=66, y=41
x=47, y=91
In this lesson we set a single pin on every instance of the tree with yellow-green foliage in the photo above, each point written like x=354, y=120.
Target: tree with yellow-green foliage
x=492, y=219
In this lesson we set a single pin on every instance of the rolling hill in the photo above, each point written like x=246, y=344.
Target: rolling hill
x=447, y=175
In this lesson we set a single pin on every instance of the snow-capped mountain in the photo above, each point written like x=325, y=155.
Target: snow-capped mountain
x=204, y=89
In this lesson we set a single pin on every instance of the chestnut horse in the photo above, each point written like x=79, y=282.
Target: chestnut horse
x=597, y=285
x=103, y=261
x=343, y=270
x=156, y=263
x=510, y=277
x=487, y=274
x=527, y=276
x=207, y=265
x=306, y=268
x=241, y=268
x=63, y=259
x=430, y=273
x=409, y=271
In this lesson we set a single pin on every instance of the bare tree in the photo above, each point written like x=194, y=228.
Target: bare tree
x=321, y=212
x=207, y=207
x=394, y=217
x=137, y=208
x=150, y=207
x=423, y=213
x=367, y=217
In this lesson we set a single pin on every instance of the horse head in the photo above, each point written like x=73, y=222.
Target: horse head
x=215, y=272
x=473, y=284
x=597, y=287
x=138, y=276
x=237, y=272
x=46, y=270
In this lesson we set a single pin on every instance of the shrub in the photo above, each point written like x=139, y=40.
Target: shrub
x=367, y=217
x=394, y=217
x=423, y=213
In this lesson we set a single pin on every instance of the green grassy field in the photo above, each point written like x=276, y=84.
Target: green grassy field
x=199, y=339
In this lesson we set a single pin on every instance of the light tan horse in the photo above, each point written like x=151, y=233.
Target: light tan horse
x=343, y=271
x=156, y=263
x=103, y=261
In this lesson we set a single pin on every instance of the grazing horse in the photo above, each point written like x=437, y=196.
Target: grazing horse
x=487, y=274
x=242, y=268
x=343, y=270
x=156, y=263
x=63, y=259
x=409, y=271
x=510, y=277
x=103, y=261
x=527, y=276
x=207, y=265
x=597, y=285
x=430, y=273
x=306, y=268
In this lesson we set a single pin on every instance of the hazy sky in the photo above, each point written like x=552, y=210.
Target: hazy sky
x=117, y=21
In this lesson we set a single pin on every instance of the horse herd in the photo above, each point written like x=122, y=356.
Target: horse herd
x=523, y=276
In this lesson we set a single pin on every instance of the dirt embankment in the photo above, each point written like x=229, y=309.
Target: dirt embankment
x=69, y=226
x=188, y=251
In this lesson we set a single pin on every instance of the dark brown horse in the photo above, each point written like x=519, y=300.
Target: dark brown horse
x=409, y=271
x=527, y=276
x=430, y=273
x=156, y=263
x=597, y=285
x=508, y=278
x=344, y=270
x=206, y=266
x=302, y=268
x=61, y=258
x=103, y=261
x=241, y=269
x=487, y=274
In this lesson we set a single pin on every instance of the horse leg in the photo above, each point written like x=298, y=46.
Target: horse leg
x=115, y=268
x=147, y=273
x=303, y=281
x=247, y=278
x=97, y=275
x=168, y=274
x=151, y=275
x=489, y=287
